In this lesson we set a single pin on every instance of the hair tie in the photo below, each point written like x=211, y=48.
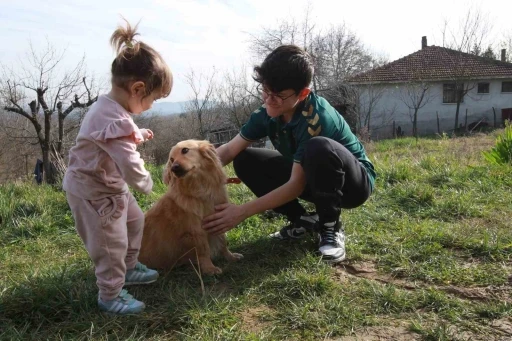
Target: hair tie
x=129, y=44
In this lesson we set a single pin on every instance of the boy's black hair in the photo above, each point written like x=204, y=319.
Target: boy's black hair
x=287, y=67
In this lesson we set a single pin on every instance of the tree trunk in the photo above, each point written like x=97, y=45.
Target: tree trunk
x=49, y=175
x=457, y=117
x=466, y=121
x=368, y=120
x=415, y=124
x=61, y=128
x=200, y=119
x=315, y=88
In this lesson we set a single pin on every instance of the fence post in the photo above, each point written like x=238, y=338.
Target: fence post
x=466, y=122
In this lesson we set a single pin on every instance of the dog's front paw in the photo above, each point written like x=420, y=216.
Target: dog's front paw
x=212, y=271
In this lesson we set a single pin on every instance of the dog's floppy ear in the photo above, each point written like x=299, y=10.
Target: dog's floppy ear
x=167, y=172
x=208, y=150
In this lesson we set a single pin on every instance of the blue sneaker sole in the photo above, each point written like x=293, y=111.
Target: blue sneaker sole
x=140, y=283
x=109, y=313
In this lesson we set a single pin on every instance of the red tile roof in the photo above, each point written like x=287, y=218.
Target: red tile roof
x=436, y=63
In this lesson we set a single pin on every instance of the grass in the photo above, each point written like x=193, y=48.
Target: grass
x=436, y=234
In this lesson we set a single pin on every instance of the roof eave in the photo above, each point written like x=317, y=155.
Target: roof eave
x=444, y=79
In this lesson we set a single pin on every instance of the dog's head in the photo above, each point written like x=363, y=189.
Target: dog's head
x=191, y=158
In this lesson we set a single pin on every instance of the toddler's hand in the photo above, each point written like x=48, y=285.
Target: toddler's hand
x=147, y=134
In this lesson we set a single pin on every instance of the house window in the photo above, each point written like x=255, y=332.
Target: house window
x=506, y=87
x=483, y=88
x=450, y=94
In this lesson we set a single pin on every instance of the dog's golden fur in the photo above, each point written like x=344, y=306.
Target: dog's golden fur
x=172, y=228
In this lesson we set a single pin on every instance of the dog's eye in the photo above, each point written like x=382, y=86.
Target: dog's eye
x=172, y=159
x=184, y=151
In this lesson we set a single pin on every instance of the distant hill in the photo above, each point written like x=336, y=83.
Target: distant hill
x=162, y=108
x=169, y=108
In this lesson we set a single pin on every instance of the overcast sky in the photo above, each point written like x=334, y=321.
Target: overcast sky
x=203, y=34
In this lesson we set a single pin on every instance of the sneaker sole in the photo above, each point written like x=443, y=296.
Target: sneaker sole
x=140, y=283
x=109, y=313
x=285, y=239
x=281, y=238
x=334, y=260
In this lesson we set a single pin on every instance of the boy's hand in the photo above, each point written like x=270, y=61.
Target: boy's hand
x=228, y=216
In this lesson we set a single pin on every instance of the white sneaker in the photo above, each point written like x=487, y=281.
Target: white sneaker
x=332, y=242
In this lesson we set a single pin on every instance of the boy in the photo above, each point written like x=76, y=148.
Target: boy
x=317, y=157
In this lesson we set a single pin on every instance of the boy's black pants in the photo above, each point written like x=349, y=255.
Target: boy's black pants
x=335, y=179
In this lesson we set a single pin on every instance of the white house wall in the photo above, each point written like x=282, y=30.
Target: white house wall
x=389, y=107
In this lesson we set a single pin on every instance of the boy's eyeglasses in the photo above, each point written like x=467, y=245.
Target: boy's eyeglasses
x=265, y=94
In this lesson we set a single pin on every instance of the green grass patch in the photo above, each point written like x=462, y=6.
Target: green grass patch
x=440, y=217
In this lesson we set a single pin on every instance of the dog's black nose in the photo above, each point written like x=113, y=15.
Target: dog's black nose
x=178, y=170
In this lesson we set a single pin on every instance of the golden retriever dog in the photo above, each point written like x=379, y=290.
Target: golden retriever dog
x=173, y=234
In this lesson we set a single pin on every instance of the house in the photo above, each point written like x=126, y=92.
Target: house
x=432, y=85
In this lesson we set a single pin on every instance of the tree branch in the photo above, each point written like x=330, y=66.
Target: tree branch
x=19, y=111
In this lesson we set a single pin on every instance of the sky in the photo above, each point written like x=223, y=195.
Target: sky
x=208, y=34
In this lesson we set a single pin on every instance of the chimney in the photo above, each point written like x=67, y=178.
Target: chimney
x=503, y=55
x=423, y=42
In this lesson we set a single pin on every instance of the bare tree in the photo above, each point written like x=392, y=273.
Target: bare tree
x=340, y=54
x=368, y=97
x=507, y=45
x=337, y=54
x=345, y=99
x=237, y=98
x=16, y=155
x=168, y=130
x=202, y=102
x=470, y=35
x=287, y=32
x=472, y=31
x=415, y=95
x=301, y=32
x=83, y=100
x=55, y=91
x=361, y=106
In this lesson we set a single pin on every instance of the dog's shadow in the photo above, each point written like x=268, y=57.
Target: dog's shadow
x=263, y=257
x=265, y=260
